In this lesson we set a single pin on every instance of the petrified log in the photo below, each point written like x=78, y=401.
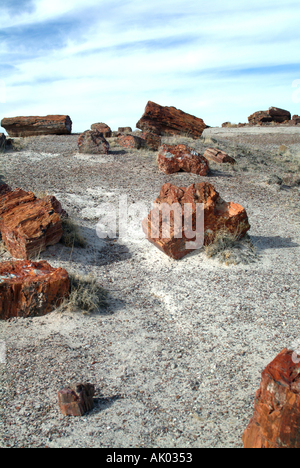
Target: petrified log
x=102, y=128
x=28, y=224
x=170, y=121
x=214, y=154
x=279, y=115
x=173, y=158
x=259, y=118
x=172, y=232
x=77, y=399
x=130, y=141
x=31, y=126
x=92, y=142
x=31, y=288
x=276, y=419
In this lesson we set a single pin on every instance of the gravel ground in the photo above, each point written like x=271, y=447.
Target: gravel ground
x=176, y=356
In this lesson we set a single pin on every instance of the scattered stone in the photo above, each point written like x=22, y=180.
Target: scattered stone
x=296, y=119
x=259, y=117
x=226, y=124
x=279, y=115
x=77, y=399
x=30, y=289
x=130, y=141
x=218, y=156
x=92, y=142
x=170, y=121
x=102, y=128
x=28, y=224
x=173, y=158
x=31, y=126
x=151, y=141
x=124, y=130
x=276, y=419
x=168, y=233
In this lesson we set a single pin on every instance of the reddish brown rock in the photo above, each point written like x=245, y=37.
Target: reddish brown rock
x=296, y=119
x=259, y=117
x=77, y=399
x=124, y=130
x=276, y=419
x=27, y=224
x=130, y=141
x=102, y=128
x=92, y=142
x=173, y=158
x=31, y=126
x=170, y=121
x=214, y=154
x=151, y=141
x=30, y=289
x=168, y=233
x=279, y=115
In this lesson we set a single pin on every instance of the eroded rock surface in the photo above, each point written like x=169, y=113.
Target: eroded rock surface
x=170, y=121
x=173, y=158
x=102, y=128
x=30, y=289
x=276, y=419
x=31, y=126
x=172, y=232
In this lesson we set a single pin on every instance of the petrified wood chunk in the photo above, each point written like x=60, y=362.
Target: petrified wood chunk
x=130, y=141
x=167, y=231
x=31, y=126
x=77, y=399
x=259, y=117
x=92, y=142
x=173, y=158
x=151, y=141
x=214, y=154
x=31, y=288
x=28, y=224
x=276, y=419
x=279, y=115
x=102, y=128
x=170, y=121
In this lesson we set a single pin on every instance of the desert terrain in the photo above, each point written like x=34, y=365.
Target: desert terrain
x=176, y=354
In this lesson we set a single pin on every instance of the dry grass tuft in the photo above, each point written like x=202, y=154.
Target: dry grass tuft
x=72, y=236
x=228, y=248
x=85, y=294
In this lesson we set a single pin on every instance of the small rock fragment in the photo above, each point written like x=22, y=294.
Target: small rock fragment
x=77, y=399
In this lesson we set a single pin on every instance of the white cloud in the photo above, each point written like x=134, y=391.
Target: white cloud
x=187, y=54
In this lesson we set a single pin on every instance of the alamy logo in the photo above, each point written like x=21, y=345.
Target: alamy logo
x=2, y=352
x=125, y=221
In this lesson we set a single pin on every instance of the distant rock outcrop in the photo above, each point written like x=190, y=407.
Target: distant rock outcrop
x=274, y=114
x=31, y=126
x=170, y=121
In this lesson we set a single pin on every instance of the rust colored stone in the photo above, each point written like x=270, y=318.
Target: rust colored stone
x=151, y=141
x=31, y=126
x=168, y=233
x=30, y=289
x=28, y=224
x=92, y=142
x=173, y=158
x=276, y=419
x=214, y=154
x=130, y=141
x=259, y=117
x=77, y=399
x=170, y=121
x=279, y=115
x=102, y=128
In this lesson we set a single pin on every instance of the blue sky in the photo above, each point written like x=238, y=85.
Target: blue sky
x=102, y=60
